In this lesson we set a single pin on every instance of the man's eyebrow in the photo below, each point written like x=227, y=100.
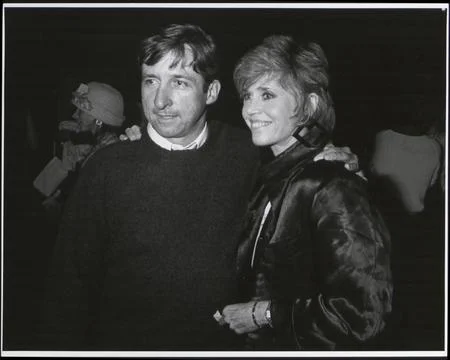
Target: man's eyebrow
x=182, y=74
x=148, y=73
x=186, y=77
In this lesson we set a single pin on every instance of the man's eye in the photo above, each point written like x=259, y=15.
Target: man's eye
x=267, y=96
x=149, y=81
x=180, y=83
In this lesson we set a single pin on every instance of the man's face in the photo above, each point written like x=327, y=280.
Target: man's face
x=174, y=100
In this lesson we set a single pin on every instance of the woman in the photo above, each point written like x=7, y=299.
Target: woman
x=99, y=117
x=313, y=260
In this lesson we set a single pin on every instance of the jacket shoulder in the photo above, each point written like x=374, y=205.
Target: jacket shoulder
x=327, y=173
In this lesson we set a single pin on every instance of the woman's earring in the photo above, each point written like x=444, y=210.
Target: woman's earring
x=98, y=123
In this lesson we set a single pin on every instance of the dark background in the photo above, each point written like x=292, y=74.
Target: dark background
x=386, y=66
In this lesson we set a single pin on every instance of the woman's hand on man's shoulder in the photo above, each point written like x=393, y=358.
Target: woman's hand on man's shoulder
x=132, y=133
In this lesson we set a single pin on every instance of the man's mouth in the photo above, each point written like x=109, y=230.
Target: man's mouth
x=166, y=116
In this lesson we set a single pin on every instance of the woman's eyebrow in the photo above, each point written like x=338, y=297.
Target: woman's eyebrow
x=263, y=87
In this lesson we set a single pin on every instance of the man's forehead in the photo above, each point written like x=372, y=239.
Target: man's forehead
x=177, y=60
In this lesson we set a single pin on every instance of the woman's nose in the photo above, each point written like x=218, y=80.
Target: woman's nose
x=251, y=107
x=163, y=97
x=76, y=114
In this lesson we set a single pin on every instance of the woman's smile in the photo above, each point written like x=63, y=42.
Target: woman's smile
x=257, y=124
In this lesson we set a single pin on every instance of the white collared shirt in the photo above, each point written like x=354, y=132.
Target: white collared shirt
x=166, y=144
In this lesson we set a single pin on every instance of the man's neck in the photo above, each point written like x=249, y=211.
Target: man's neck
x=169, y=145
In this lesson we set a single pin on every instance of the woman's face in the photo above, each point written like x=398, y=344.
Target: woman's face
x=269, y=112
x=85, y=120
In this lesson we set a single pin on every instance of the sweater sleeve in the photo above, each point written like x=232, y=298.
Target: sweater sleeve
x=75, y=270
x=353, y=271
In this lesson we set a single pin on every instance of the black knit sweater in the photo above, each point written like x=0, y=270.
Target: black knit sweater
x=146, y=250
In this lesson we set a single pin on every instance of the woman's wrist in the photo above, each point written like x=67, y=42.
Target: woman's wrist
x=260, y=313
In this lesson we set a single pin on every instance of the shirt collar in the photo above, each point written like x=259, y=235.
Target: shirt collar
x=166, y=144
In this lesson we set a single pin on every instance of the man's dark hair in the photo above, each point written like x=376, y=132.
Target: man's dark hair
x=177, y=39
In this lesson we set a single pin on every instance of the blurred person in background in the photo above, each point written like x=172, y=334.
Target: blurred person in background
x=407, y=174
x=97, y=122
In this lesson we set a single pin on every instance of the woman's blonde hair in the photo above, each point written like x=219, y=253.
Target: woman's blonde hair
x=301, y=69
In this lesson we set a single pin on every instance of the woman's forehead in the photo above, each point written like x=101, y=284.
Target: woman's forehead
x=265, y=79
x=272, y=80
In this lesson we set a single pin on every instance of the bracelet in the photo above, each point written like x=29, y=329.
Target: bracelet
x=253, y=315
x=268, y=314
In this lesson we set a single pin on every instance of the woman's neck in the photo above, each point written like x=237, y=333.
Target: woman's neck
x=277, y=149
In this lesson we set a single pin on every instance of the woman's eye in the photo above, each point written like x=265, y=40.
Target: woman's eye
x=245, y=97
x=267, y=96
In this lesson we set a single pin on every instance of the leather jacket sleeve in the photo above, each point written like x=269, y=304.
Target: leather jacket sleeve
x=351, y=269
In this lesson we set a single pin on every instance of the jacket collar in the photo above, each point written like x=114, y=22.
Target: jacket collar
x=297, y=155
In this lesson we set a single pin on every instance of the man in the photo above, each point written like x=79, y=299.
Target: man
x=146, y=251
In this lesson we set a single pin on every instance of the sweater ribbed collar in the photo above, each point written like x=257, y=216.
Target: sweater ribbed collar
x=166, y=144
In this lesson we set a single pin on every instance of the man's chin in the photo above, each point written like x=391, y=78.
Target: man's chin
x=167, y=132
x=164, y=128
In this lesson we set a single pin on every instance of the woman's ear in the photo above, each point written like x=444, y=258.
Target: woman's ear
x=312, y=104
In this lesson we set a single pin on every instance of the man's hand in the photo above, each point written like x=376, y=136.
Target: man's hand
x=132, y=133
x=343, y=154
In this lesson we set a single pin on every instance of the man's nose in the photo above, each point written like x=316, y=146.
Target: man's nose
x=163, y=97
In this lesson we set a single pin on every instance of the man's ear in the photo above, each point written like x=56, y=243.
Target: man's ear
x=213, y=92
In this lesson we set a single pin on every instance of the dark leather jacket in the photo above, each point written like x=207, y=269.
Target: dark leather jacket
x=322, y=256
